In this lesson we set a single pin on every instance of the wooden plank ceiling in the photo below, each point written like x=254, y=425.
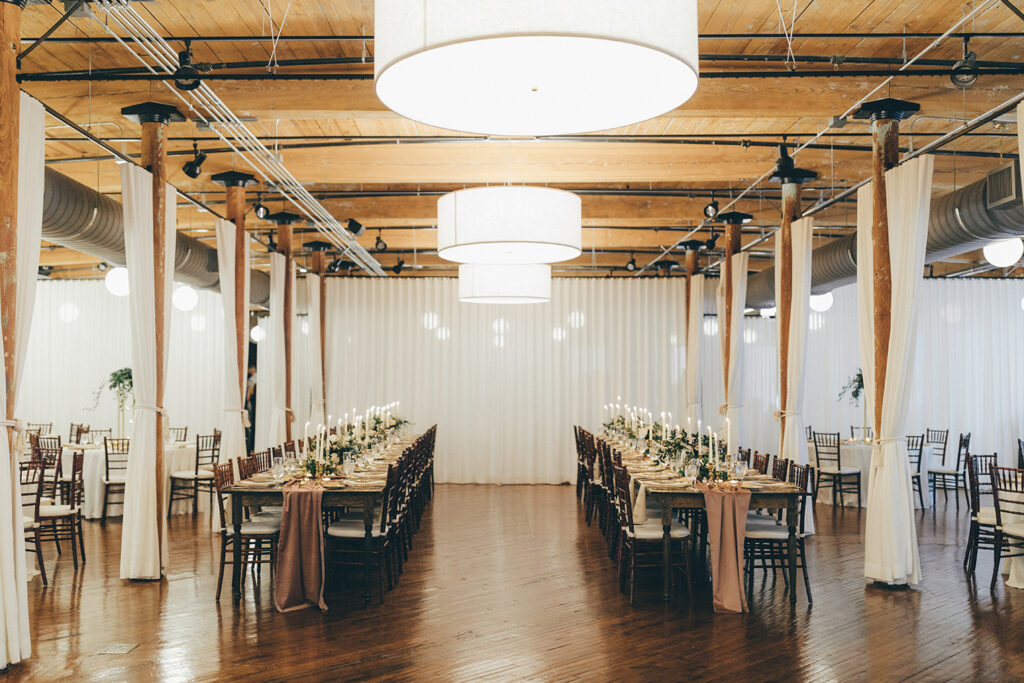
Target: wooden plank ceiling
x=645, y=188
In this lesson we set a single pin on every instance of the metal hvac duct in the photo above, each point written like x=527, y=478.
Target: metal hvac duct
x=80, y=218
x=961, y=221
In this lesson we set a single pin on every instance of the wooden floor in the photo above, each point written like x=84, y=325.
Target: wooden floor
x=508, y=583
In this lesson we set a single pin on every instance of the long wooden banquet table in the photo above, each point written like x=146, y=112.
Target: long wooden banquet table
x=676, y=493
x=339, y=492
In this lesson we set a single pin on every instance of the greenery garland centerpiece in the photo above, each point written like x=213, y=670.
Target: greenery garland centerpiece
x=327, y=453
x=665, y=445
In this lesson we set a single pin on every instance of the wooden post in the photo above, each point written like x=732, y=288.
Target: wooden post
x=691, y=270
x=154, y=118
x=885, y=115
x=284, y=222
x=10, y=116
x=791, y=179
x=235, y=183
x=734, y=221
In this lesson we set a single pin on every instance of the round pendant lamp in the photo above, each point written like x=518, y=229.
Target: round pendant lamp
x=1003, y=253
x=509, y=224
x=533, y=67
x=504, y=284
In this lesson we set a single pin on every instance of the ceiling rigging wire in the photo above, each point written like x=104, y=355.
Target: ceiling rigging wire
x=204, y=103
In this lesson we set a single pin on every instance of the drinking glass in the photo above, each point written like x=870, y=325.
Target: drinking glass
x=691, y=470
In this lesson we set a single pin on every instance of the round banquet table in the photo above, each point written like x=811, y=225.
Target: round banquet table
x=177, y=456
x=858, y=455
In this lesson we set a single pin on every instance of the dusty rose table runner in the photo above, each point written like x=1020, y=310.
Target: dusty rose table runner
x=299, y=581
x=727, y=524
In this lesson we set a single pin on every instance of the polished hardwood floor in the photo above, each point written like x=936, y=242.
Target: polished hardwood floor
x=508, y=583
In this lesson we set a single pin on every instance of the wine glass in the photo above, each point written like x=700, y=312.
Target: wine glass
x=691, y=469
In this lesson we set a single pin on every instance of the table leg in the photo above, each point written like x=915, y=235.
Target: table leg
x=666, y=550
x=368, y=546
x=791, y=520
x=236, y=567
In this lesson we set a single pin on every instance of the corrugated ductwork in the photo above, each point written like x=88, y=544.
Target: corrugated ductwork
x=80, y=218
x=961, y=221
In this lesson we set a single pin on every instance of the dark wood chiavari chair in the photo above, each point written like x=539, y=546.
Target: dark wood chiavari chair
x=914, y=446
x=259, y=536
x=937, y=439
x=97, y=435
x=581, y=469
x=76, y=432
x=32, y=475
x=39, y=428
x=1008, y=494
x=744, y=454
x=829, y=460
x=861, y=433
x=63, y=522
x=761, y=462
x=767, y=546
x=115, y=471
x=780, y=468
x=810, y=432
x=947, y=477
x=290, y=450
x=983, y=518
x=186, y=484
x=49, y=450
x=1020, y=453
x=640, y=545
x=178, y=434
x=263, y=460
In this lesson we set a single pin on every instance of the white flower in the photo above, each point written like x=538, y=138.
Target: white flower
x=333, y=438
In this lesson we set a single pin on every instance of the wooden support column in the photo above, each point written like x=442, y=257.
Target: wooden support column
x=734, y=221
x=154, y=118
x=691, y=269
x=885, y=116
x=284, y=222
x=10, y=121
x=791, y=179
x=234, y=183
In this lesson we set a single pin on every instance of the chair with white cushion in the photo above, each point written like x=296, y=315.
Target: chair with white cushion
x=983, y=517
x=1008, y=493
x=31, y=492
x=766, y=546
x=48, y=450
x=186, y=484
x=831, y=473
x=915, y=444
x=63, y=521
x=259, y=536
x=179, y=434
x=947, y=476
x=115, y=469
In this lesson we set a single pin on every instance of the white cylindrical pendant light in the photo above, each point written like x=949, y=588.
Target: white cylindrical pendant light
x=534, y=67
x=504, y=284
x=509, y=224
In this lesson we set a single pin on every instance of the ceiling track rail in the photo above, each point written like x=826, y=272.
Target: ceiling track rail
x=153, y=52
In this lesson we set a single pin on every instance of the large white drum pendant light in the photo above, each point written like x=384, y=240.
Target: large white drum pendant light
x=504, y=284
x=534, y=67
x=509, y=224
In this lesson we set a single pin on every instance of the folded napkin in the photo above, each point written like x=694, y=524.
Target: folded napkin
x=727, y=522
x=299, y=581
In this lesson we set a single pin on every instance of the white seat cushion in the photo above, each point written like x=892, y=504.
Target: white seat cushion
x=28, y=522
x=986, y=516
x=845, y=470
x=768, y=533
x=943, y=470
x=260, y=526
x=46, y=501
x=653, y=531
x=269, y=512
x=1015, y=529
x=189, y=474
x=206, y=467
x=115, y=479
x=353, y=528
x=56, y=510
x=762, y=521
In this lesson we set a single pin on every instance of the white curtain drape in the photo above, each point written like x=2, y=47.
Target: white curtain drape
x=891, y=552
x=317, y=408
x=694, y=333
x=14, y=624
x=142, y=556
x=732, y=382
x=270, y=376
x=235, y=419
x=794, y=441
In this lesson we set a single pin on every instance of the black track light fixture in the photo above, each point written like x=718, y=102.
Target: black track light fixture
x=711, y=210
x=397, y=268
x=965, y=71
x=355, y=227
x=631, y=263
x=259, y=208
x=380, y=244
x=186, y=76
x=194, y=167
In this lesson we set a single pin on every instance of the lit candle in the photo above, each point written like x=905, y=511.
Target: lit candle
x=305, y=432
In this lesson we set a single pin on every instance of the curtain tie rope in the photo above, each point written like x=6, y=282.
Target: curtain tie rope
x=244, y=412
x=17, y=434
x=155, y=409
x=779, y=414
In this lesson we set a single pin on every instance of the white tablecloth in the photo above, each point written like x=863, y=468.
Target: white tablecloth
x=177, y=456
x=859, y=455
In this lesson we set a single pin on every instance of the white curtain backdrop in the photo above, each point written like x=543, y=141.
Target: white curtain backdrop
x=692, y=362
x=794, y=442
x=232, y=444
x=732, y=384
x=270, y=408
x=312, y=400
x=891, y=552
x=14, y=624
x=142, y=555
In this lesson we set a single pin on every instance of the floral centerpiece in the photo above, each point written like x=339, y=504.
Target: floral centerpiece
x=672, y=446
x=327, y=453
